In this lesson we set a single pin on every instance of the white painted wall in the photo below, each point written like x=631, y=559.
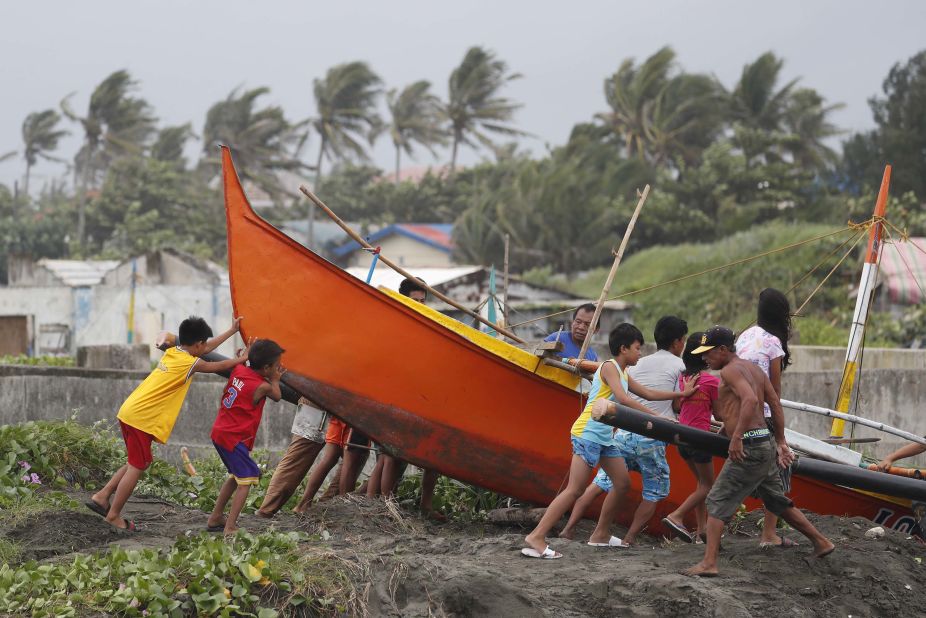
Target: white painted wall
x=405, y=252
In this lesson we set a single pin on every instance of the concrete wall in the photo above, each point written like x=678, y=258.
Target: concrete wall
x=49, y=393
x=34, y=393
x=824, y=358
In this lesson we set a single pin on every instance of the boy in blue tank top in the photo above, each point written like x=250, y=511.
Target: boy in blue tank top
x=593, y=442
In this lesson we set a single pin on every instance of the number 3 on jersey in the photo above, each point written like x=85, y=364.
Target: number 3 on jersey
x=230, y=397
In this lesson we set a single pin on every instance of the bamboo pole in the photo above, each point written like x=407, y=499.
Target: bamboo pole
x=382, y=258
x=804, y=407
x=617, y=262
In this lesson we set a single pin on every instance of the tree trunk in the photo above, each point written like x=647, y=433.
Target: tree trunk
x=26, y=180
x=310, y=233
x=398, y=153
x=453, y=155
x=81, y=212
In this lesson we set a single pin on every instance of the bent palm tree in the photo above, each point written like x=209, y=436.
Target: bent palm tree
x=757, y=101
x=807, y=120
x=416, y=118
x=262, y=140
x=116, y=124
x=474, y=108
x=40, y=136
x=346, y=104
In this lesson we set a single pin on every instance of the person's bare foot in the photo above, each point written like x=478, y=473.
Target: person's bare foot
x=300, y=511
x=701, y=570
x=215, y=523
x=567, y=533
x=232, y=530
x=539, y=545
x=823, y=549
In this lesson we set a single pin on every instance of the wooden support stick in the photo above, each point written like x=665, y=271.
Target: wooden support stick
x=617, y=262
x=382, y=258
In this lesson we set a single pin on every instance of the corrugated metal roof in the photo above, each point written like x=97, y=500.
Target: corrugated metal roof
x=437, y=235
x=386, y=277
x=78, y=273
x=903, y=269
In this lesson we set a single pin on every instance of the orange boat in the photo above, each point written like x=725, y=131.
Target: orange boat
x=440, y=394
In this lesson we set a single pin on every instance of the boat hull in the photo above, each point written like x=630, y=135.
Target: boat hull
x=436, y=398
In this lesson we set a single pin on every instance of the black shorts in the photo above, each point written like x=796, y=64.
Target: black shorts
x=358, y=441
x=694, y=455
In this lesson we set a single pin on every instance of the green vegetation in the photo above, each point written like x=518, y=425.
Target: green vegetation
x=728, y=296
x=457, y=500
x=44, y=361
x=199, y=574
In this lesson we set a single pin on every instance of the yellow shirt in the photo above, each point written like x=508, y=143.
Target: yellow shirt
x=153, y=406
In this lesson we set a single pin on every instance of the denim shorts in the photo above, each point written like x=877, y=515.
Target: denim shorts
x=648, y=457
x=592, y=452
x=603, y=481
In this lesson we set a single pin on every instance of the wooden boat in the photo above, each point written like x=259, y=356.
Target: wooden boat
x=438, y=393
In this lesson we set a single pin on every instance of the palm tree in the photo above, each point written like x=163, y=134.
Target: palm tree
x=659, y=116
x=757, y=101
x=806, y=119
x=169, y=144
x=116, y=124
x=40, y=136
x=345, y=101
x=262, y=140
x=474, y=108
x=416, y=118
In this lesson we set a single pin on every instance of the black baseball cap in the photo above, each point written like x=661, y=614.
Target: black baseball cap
x=715, y=336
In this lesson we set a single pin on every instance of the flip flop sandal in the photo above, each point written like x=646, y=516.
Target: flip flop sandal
x=680, y=530
x=786, y=543
x=129, y=527
x=218, y=528
x=612, y=542
x=102, y=511
x=546, y=554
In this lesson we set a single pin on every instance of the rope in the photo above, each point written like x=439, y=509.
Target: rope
x=849, y=226
x=832, y=270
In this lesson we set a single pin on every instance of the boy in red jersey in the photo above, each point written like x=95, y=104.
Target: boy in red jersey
x=236, y=426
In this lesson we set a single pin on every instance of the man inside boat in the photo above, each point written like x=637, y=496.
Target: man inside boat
x=578, y=331
x=754, y=453
x=388, y=471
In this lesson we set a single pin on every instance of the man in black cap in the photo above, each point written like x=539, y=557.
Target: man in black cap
x=755, y=453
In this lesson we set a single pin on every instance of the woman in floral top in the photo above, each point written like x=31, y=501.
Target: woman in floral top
x=766, y=345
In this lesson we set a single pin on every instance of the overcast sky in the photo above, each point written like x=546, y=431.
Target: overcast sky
x=188, y=55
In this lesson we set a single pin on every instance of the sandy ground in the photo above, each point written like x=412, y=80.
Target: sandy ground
x=412, y=567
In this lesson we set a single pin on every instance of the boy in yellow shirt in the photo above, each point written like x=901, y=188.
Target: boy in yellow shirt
x=151, y=410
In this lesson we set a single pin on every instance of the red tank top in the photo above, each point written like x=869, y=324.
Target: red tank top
x=238, y=416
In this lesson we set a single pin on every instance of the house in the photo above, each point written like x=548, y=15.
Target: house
x=534, y=310
x=54, y=306
x=412, y=245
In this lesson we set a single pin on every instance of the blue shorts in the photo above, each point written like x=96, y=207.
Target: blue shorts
x=239, y=464
x=592, y=452
x=648, y=457
x=603, y=481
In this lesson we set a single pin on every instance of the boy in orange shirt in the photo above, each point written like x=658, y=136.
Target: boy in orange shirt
x=151, y=410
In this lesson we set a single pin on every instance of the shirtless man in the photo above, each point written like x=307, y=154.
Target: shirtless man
x=754, y=453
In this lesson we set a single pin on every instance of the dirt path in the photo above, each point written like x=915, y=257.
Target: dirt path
x=411, y=567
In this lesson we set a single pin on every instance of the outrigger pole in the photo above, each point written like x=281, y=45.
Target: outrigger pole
x=866, y=290
x=617, y=262
x=360, y=241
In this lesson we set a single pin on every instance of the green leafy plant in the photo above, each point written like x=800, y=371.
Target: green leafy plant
x=457, y=500
x=43, y=361
x=201, y=574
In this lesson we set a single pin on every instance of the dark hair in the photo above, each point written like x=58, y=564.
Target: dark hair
x=624, y=335
x=694, y=363
x=410, y=285
x=775, y=318
x=193, y=330
x=264, y=352
x=585, y=307
x=668, y=329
